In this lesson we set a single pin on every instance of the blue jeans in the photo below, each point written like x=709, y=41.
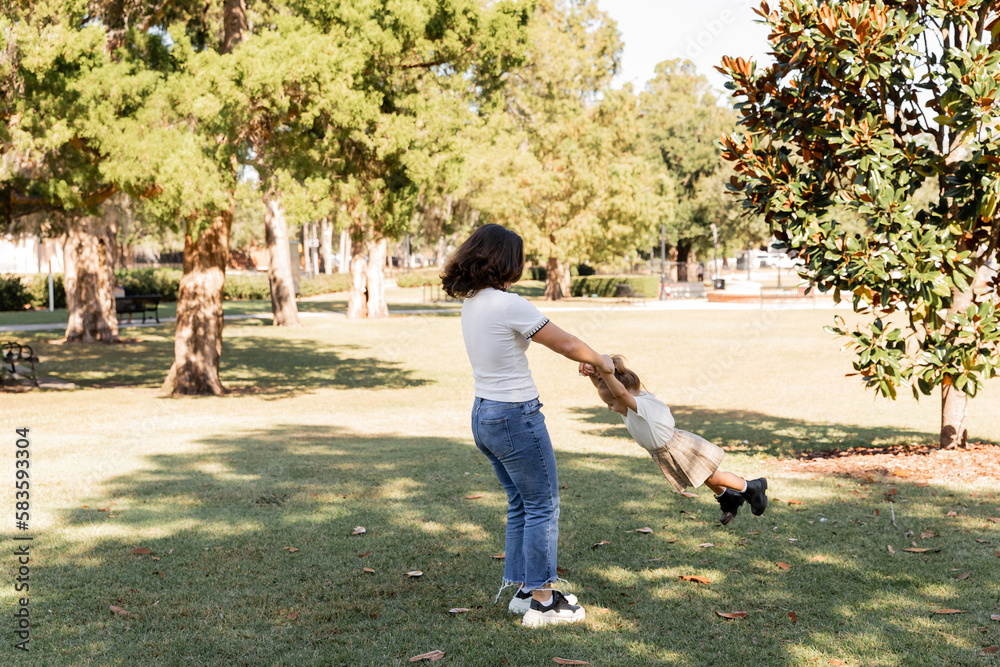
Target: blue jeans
x=514, y=438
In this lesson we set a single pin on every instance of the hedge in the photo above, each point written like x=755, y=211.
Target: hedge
x=324, y=284
x=648, y=286
x=417, y=279
x=14, y=294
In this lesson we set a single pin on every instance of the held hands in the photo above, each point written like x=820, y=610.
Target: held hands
x=588, y=370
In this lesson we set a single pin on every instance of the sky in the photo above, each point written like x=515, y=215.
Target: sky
x=699, y=30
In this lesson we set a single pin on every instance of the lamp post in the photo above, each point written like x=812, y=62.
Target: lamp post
x=715, y=251
x=663, y=263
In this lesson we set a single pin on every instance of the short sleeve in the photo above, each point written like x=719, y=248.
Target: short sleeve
x=523, y=317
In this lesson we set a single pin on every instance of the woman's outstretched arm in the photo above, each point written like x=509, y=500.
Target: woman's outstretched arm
x=571, y=347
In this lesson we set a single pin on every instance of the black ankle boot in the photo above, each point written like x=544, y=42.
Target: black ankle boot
x=756, y=496
x=730, y=502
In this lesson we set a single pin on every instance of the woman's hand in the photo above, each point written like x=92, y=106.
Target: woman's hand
x=586, y=370
x=608, y=366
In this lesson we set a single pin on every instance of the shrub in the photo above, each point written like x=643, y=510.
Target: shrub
x=535, y=273
x=418, y=279
x=324, y=284
x=14, y=294
x=38, y=285
x=585, y=270
x=248, y=287
x=648, y=286
x=163, y=281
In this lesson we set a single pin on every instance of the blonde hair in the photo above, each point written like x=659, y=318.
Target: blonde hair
x=623, y=374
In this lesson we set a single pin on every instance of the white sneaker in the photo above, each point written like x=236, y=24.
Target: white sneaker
x=520, y=603
x=560, y=611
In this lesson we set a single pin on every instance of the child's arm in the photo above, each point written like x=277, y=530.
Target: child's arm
x=616, y=388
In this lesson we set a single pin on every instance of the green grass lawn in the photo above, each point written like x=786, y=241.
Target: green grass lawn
x=248, y=502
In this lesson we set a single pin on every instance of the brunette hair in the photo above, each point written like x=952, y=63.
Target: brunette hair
x=491, y=257
x=623, y=374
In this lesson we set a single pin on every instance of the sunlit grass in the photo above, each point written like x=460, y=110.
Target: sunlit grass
x=249, y=500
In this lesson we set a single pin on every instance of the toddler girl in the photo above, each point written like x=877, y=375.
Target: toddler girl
x=685, y=458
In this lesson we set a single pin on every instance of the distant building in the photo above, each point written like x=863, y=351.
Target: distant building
x=30, y=254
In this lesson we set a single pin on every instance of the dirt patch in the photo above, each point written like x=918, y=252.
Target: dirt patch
x=928, y=463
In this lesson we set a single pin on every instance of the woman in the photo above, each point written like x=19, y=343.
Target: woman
x=507, y=423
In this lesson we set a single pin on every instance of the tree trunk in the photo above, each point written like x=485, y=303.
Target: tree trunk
x=357, y=300
x=442, y=248
x=89, y=256
x=566, y=280
x=955, y=403
x=683, y=253
x=279, y=269
x=198, y=341
x=345, y=252
x=954, y=417
x=235, y=24
x=308, y=267
x=377, y=306
x=326, y=243
x=553, y=280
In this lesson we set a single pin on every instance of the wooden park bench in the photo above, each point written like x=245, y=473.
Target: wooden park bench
x=624, y=292
x=138, y=303
x=15, y=359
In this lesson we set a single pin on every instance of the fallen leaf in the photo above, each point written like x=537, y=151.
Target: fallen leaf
x=953, y=513
x=562, y=570
x=995, y=617
x=154, y=558
x=103, y=509
x=948, y=611
x=995, y=519
x=927, y=534
x=647, y=529
x=458, y=610
x=983, y=541
x=368, y=570
x=567, y=661
x=693, y=577
x=601, y=610
x=359, y=530
x=478, y=495
x=834, y=661
x=819, y=558
x=794, y=502
x=294, y=615
x=143, y=551
x=991, y=649
x=705, y=545
x=291, y=549
x=601, y=543
x=498, y=556
x=921, y=483
x=783, y=566
x=432, y=656
x=414, y=574
x=891, y=492
x=365, y=554
x=963, y=576
x=688, y=494
x=754, y=532
x=921, y=550
x=792, y=616
x=731, y=614
x=119, y=611
x=891, y=550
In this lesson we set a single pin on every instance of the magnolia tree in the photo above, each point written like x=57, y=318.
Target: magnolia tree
x=865, y=104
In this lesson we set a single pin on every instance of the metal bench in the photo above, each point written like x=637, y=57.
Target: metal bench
x=13, y=357
x=138, y=303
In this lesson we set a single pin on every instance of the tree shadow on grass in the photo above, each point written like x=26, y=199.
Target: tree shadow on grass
x=261, y=364
x=747, y=431
x=257, y=564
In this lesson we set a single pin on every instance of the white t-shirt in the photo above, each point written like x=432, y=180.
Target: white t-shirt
x=497, y=327
x=651, y=424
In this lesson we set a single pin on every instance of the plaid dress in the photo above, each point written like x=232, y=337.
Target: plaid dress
x=684, y=458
